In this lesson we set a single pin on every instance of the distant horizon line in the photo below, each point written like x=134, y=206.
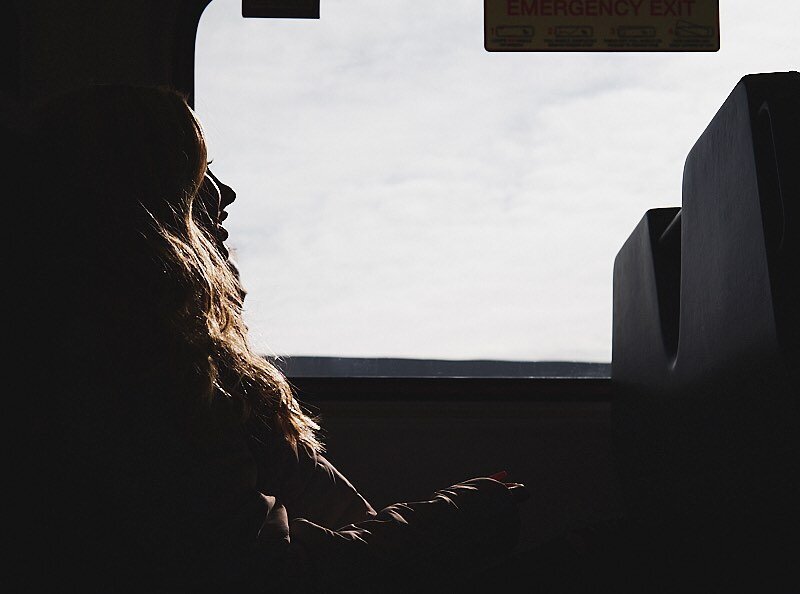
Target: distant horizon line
x=333, y=366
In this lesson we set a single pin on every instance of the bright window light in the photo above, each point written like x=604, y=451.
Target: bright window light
x=404, y=193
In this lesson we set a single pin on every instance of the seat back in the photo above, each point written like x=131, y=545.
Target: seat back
x=705, y=335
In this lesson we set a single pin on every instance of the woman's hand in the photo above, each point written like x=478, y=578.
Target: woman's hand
x=518, y=490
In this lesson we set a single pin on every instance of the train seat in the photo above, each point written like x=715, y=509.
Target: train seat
x=705, y=321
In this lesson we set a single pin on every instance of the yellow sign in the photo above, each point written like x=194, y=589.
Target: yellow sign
x=601, y=25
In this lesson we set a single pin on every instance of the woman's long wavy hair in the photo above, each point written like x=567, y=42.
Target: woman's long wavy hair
x=129, y=163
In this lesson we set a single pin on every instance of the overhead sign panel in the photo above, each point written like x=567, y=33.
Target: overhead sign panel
x=281, y=9
x=601, y=25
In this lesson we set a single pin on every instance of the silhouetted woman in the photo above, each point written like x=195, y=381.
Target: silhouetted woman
x=165, y=454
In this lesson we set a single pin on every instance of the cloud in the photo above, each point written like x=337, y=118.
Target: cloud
x=402, y=192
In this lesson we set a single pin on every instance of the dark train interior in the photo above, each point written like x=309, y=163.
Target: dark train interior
x=693, y=422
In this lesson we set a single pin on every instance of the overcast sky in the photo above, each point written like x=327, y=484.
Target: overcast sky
x=403, y=192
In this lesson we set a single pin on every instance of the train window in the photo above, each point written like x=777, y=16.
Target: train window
x=403, y=193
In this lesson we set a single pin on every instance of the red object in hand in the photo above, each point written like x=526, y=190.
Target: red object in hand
x=499, y=476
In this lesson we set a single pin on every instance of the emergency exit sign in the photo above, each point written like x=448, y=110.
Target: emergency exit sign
x=601, y=25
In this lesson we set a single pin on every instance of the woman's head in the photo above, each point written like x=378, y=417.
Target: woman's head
x=212, y=199
x=141, y=268
x=142, y=146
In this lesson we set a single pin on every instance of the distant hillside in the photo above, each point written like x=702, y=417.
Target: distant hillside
x=358, y=367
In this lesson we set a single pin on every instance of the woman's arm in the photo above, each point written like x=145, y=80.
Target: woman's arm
x=319, y=493
x=306, y=483
x=411, y=546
